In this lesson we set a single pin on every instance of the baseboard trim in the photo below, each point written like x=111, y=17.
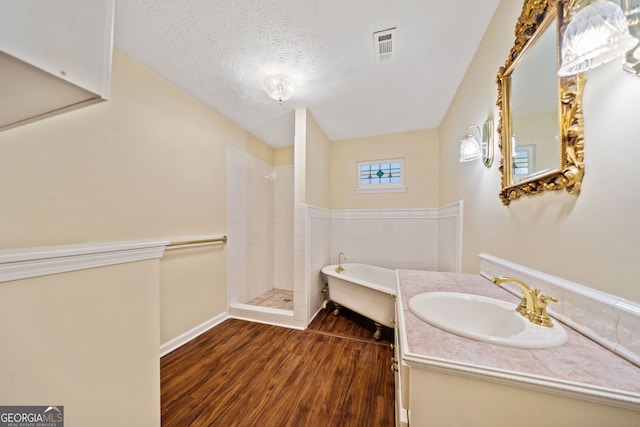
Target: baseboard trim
x=266, y=315
x=187, y=336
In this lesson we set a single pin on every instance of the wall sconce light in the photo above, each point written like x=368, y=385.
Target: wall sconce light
x=596, y=34
x=279, y=87
x=471, y=149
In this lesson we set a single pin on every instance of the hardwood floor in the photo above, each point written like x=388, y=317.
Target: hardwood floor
x=250, y=374
x=349, y=324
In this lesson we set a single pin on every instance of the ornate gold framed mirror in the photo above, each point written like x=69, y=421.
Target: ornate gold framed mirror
x=540, y=121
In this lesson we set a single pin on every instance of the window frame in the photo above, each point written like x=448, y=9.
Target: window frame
x=381, y=188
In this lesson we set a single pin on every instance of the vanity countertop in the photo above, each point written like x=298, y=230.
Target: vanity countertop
x=581, y=366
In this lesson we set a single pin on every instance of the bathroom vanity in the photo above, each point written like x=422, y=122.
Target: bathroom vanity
x=444, y=379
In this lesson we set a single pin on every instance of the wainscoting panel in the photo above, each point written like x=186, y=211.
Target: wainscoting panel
x=450, y=237
x=319, y=221
x=390, y=238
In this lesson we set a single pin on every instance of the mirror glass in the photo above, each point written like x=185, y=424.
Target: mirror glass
x=541, y=122
x=534, y=109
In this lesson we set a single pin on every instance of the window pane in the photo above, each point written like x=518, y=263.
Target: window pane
x=380, y=173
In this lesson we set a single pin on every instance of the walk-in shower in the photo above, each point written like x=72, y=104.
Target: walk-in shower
x=260, y=248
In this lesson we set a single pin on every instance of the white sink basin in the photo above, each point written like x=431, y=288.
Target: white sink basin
x=484, y=319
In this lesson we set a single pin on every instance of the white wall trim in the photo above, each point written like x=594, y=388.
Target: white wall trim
x=611, y=321
x=317, y=254
x=385, y=213
x=187, y=336
x=402, y=189
x=24, y=263
x=455, y=210
x=452, y=210
x=318, y=212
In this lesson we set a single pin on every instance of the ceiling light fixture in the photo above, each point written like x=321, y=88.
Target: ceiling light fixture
x=279, y=86
x=596, y=34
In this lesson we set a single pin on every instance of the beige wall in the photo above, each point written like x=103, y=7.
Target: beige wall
x=150, y=163
x=191, y=284
x=420, y=152
x=86, y=340
x=592, y=239
x=283, y=156
x=317, y=164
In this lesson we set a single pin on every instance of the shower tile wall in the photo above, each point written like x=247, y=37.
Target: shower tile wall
x=393, y=238
x=319, y=221
x=283, y=228
x=301, y=276
x=257, y=211
x=272, y=245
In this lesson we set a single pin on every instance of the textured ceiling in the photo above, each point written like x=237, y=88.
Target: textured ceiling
x=219, y=50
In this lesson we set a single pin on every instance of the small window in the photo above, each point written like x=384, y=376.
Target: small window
x=381, y=176
x=524, y=162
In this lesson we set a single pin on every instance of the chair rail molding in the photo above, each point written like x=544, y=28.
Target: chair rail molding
x=24, y=263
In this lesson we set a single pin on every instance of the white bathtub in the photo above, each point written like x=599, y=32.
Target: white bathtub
x=366, y=289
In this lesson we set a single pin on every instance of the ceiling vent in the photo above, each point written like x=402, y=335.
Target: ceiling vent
x=384, y=44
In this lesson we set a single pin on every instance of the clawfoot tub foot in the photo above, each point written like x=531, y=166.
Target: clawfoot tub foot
x=378, y=333
x=336, y=311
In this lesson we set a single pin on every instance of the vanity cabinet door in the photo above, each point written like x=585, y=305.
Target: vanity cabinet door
x=401, y=378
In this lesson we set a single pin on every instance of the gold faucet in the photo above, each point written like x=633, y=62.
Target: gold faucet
x=533, y=305
x=340, y=268
x=529, y=298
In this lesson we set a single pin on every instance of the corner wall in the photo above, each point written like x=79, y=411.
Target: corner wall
x=87, y=340
x=420, y=152
x=149, y=163
x=312, y=227
x=317, y=165
x=591, y=239
x=395, y=230
x=260, y=226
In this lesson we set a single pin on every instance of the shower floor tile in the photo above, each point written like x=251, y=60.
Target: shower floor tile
x=275, y=298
